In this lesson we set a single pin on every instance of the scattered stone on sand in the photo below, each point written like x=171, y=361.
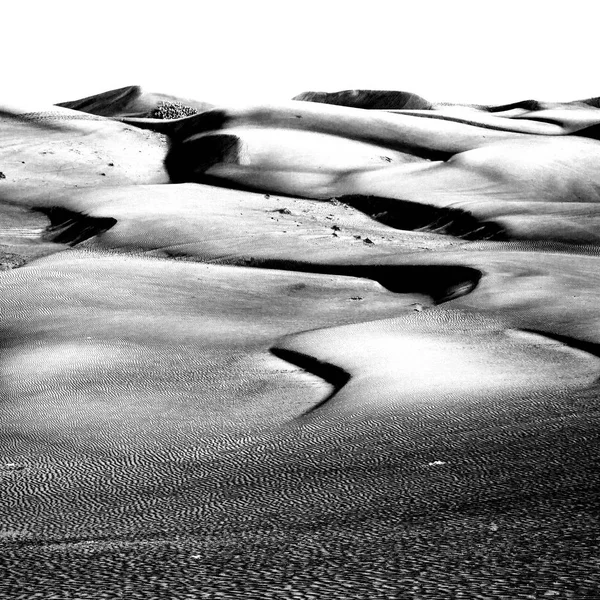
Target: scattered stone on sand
x=2, y=175
x=368, y=241
x=10, y=261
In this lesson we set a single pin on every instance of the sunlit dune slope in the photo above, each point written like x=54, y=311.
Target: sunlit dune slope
x=299, y=350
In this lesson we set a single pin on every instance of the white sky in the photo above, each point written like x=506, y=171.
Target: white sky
x=489, y=52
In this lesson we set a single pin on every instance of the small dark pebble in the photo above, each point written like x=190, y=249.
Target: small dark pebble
x=368, y=241
x=335, y=228
x=267, y=196
x=358, y=237
x=356, y=298
x=284, y=211
x=2, y=175
x=111, y=164
x=103, y=174
x=334, y=234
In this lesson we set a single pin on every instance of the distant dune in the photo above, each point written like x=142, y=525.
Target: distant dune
x=367, y=99
x=345, y=346
x=131, y=101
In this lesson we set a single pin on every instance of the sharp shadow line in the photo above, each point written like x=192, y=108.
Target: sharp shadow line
x=332, y=374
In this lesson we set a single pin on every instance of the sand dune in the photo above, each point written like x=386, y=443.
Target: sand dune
x=132, y=101
x=472, y=161
x=438, y=357
x=299, y=350
x=46, y=151
x=195, y=220
x=561, y=119
x=367, y=99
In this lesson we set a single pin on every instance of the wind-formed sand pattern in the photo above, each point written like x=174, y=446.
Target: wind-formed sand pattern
x=341, y=347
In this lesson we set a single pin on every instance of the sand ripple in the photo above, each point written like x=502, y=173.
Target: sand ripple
x=209, y=392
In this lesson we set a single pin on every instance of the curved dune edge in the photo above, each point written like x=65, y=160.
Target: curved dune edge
x=421, y=365
x=131, y=101
x=480, y=180
x=154, y=433
x=280, y=233
x=448, y=163
x=333, y=375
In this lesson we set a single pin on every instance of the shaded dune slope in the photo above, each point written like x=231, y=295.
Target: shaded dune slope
x=211, y=391
x=367, y=99
x=529, y=185
x=131, y=101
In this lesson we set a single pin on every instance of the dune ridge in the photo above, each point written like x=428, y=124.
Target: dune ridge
x=299, y=350
x=131, y=101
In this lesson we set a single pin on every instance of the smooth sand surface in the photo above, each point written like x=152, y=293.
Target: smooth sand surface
x=45, y=151
x=222, y=393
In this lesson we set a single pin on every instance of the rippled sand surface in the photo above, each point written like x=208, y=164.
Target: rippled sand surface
x=339, y=348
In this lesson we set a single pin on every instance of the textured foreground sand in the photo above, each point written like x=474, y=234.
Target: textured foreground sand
x=209, y=392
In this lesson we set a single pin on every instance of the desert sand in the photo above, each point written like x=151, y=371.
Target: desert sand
x=345, y=346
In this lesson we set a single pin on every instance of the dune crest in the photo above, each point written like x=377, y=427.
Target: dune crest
x=346, y=347
x=131, y=101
